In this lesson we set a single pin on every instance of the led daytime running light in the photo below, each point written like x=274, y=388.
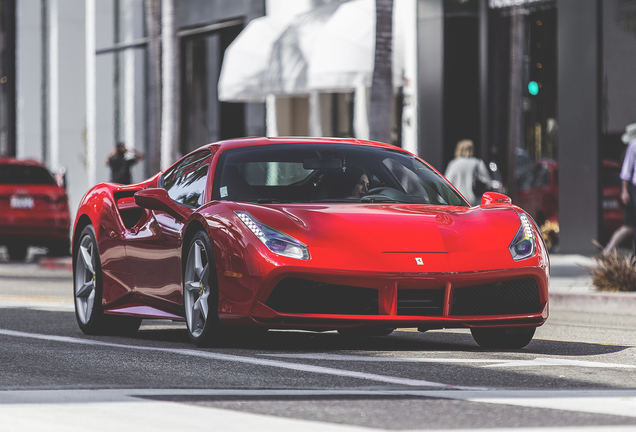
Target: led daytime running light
x=276, y=241
x=251, y=225
x=524, y=245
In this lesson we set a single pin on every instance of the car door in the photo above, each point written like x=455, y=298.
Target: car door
x=154, y=250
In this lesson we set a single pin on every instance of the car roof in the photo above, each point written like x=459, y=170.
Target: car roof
x=255, y=141
x=25, y=162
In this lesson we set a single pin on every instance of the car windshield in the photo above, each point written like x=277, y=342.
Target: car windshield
x=25, y=174
x=328, y=172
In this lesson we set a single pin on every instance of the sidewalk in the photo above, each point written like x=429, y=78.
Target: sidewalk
x=571, y=288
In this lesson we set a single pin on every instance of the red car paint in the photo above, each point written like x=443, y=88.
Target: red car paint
x=391, y=249
x=33, y=208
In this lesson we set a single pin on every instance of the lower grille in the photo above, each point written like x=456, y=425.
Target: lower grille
x=420, y=302
x=294, y=295
x=502, y=298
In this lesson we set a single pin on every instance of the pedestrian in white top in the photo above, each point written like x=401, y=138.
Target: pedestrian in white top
x=628, y=191
x=467, y=173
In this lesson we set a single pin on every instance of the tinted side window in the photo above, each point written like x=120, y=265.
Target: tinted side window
x=25, y=174
x=186, y=181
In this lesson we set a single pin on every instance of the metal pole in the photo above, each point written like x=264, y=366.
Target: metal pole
x=44, y=80
x=91, y=94
x=129, y=79
x=169, y=59
x=154, y=83
x=54, y=87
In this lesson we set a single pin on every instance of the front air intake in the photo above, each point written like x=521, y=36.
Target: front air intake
x=301, y=296
x=420, y=302
x=520, y=296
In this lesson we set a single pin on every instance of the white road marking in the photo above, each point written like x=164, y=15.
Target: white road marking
x=595, y=326
x=106, y=410
x=497, y=362
x=241, y=359
x=151, y=416
x=37, y=303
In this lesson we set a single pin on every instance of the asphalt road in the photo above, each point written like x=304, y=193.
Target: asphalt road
x=579, y=372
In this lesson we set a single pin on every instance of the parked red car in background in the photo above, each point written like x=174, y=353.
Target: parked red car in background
x=34, y=209
x=538, y=193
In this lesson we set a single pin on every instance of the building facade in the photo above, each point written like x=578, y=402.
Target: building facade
x=524, y=79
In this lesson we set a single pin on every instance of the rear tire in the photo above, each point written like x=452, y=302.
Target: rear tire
x=503, y=337
x=17, y=252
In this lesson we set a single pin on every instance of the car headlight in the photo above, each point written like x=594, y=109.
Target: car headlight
x=524, y=245
x=276, y=241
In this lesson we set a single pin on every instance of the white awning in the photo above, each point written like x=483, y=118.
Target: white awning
x=247, y=58
x=292, y=52
x=329, y=48
x=344, y=55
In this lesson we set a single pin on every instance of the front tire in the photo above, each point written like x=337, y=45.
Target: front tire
x=87, y=292
x=502, y=337
x=200, y=292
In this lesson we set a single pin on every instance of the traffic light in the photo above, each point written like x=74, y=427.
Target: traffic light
x=533, y=88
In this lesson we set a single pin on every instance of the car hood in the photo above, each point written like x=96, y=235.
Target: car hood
x=394, y=228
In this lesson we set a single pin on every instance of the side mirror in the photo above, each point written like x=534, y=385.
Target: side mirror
x=489, y=198
x=158, y=199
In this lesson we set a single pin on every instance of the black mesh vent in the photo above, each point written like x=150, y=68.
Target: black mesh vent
x=420, y=302
x=293, y=295
x=502, y=298
x=130, y=217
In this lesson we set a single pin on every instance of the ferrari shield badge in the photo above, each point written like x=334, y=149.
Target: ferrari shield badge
x=419, y=261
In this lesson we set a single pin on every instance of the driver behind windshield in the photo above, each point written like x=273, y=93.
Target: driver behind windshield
x=361, y=187
x=352, y=181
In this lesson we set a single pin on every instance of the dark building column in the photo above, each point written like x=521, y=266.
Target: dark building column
x=578, y=54
x=7, y=78
x=430, y=76
x=484, y=139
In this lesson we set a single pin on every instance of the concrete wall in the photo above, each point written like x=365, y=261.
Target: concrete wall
x=430, y=78
x=578, y=113
x=619, y=68
x=29, y=80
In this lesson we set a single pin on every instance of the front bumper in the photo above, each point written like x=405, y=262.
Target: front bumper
x=511, y=297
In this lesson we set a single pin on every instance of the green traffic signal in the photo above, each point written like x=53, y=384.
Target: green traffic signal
x=533, y=88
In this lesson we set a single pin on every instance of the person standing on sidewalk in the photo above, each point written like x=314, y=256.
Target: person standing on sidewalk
x=467, y=173
x=120, y=161
x=628, y=192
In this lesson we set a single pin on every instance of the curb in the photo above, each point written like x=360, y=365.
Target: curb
x=608, y=303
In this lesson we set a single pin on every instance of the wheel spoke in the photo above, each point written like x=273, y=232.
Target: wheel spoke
x=86, y=289
x=196, y=316
x=87, y=259
x=90, y=300
x=198, y=264
x=203, y=301
x=205, y=275
x=193, y=286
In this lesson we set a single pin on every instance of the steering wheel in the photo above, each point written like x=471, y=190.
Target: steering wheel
x=385, y=194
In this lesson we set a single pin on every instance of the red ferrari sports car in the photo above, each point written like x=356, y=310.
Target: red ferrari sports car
x=33, y=209
x=307, y=233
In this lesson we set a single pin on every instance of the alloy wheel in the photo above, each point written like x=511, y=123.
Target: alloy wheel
x=197, y=288
x=85, y=279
